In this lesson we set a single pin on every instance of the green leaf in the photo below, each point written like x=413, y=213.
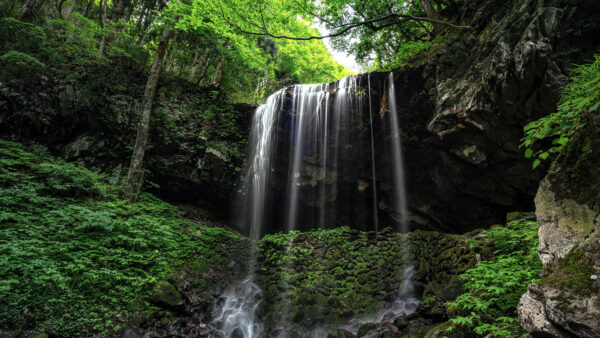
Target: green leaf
x=528, y=153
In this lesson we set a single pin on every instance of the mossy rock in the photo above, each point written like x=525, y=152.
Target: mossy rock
x=166, y=295
x=365, y=329
x=36, y=335
x=437, y=331
x=519, y=215
x=572, y=273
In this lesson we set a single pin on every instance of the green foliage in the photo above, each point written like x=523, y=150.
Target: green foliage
x=259, y=63
x=580, y=97
x=17, y=65
x=77, y=259
x=496, y=285
x=20, y=36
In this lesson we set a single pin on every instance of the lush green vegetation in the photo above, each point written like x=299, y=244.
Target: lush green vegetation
x=579, y=98
x=76, y=258
x=495, y=286
x=203, y=50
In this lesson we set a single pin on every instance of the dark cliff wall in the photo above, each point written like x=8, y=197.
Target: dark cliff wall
x=461, y=111
x=465, y=108
x=197, y=138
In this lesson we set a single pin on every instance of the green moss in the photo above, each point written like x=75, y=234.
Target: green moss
x=572, y=273
x=165, y=294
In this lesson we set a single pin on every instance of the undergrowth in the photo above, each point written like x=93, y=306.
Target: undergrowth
x=579, y=98
x=494, y=287
x=75, y=258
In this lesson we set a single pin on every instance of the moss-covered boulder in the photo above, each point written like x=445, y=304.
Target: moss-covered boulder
x=567, y=299
x=165, y=294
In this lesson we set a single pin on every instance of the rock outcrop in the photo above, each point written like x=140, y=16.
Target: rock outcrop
x=343, y=278
x=465, y=109
x=566, y=302
x=196, y=139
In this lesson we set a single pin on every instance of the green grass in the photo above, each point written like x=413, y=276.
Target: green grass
x=75, y=258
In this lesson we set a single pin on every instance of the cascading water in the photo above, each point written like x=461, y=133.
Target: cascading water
x=236, y=318
x=307, y=143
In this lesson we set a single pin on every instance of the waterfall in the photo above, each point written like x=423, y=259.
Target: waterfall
x=397, y=159
x=312, y=158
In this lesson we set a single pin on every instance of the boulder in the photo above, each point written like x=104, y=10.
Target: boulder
x=165, y=294
x=566, y=301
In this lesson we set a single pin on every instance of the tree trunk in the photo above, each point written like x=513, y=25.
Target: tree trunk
x=135, y=176
x=66, y=12
x=29, y=7
x=195, y=65
x=217, y=75
x=86, y=12
x=147, y=20
x=103, y=24
x=206, y=65
x=432, y=14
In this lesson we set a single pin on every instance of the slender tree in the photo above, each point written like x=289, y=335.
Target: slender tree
x=103, y=25
x=135, y=176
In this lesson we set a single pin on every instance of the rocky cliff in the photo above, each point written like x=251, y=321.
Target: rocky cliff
x=197, y=138
x=465, y=108
x=462, y=107
x=462, y=111
x=566, y=302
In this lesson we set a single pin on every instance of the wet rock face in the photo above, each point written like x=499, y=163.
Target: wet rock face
x=462, y=115
x=566, y=301
x=464, y=167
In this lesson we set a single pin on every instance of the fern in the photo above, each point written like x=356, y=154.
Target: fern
x=494, y=287
x=579, y=98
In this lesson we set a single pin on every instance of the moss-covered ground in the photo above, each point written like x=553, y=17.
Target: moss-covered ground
x=75, y=258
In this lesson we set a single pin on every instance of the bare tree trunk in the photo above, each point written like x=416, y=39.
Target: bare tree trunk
x=29, y=7
x=206, y=65
x=217, y=75
x=66, y=12
x=135, y=176
x=86, y=12
x=432, y=14
x=195, y=65
x=168, y=60
x=103, y=24
x=147, y=21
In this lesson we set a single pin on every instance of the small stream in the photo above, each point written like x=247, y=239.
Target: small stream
x=237, y=316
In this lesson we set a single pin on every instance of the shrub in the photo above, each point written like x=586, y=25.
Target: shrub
x=579, y=98
x=17, y=65
x=494, y=287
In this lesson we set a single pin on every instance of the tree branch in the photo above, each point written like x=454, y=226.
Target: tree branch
x=349, y=26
